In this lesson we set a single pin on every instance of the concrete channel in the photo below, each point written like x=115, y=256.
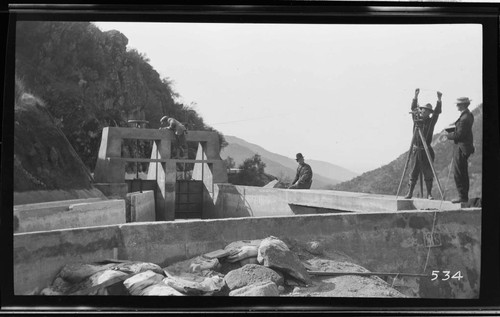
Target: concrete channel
x=378, y=232
x=381, y=238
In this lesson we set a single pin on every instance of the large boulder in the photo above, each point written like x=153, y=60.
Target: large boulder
x=251, y=274
x=275, y=254
x=258, y=289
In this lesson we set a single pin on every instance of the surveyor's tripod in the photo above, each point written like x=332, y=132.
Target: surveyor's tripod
x=417, y=133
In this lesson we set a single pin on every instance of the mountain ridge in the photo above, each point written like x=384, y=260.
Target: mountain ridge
x=282, y=166
x=385, y=179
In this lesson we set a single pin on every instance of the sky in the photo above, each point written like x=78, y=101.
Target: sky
x=335, y=93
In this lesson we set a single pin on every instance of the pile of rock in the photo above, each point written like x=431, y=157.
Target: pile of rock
x=243, y=268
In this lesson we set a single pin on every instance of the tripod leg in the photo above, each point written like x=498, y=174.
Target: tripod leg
x=406, y=163
x=420, y=180
x=430, y=163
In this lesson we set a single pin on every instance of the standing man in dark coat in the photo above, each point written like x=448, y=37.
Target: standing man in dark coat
x=303, y=179
x=462, y=137
x=427, y=118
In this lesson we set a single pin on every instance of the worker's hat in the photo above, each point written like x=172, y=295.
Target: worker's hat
x=463, y=101
x=427, y=106
x=299, y=156
x=164, y=118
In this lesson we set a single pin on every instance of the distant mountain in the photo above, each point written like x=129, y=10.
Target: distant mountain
x=325, y=174
x=385, y=180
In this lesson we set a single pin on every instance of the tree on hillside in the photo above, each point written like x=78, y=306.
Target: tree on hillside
x=252, y=172
x=229, y=162
x=89, y=80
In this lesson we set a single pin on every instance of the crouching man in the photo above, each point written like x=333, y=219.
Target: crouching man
x=303, y=179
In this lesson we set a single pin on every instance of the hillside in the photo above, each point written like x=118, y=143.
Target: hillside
x=385, y=180
x=43, y=159
x=88, y=80
x=325, y=174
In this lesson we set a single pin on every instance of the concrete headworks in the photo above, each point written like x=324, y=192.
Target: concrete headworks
x=380, y=232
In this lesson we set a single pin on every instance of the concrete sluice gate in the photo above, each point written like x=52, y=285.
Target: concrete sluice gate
x=370, y=245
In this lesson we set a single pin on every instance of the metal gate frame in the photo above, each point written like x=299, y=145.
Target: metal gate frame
x=194, y=209
x=188, y=199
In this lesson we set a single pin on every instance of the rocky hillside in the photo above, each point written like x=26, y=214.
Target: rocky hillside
x=88, y=79
x=385, y=180
x=43, y=158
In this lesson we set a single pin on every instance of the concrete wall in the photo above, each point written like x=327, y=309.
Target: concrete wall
x=249, y=201
x=113, y=190
x=110, y=165
x=382, y=242
x=68, y=214
x=141, y=206
x=39, y=256
x=41, y=196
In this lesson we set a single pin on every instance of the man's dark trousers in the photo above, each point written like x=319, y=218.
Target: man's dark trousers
x=461, y=173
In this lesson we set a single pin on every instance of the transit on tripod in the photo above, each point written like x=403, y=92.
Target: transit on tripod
x=421, y=153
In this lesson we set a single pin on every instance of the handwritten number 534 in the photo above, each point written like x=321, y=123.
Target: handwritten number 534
x=446, y=275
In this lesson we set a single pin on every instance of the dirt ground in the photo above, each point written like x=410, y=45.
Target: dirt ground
x=345, y=285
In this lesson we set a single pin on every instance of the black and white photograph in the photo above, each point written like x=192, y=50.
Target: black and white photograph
x=248, y=158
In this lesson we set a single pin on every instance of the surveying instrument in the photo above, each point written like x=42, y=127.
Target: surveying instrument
x=418, y=124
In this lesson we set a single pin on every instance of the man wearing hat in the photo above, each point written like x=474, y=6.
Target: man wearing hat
x=180, y=132
x=427, y=118
x=462, y=137
x=303, y=179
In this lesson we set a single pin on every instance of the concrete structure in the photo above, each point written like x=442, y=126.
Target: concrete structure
x=41, y=196
x=140, y=206
x=68, y=214
x=404, y=242
x=113, y=190
x=379, y=232
x=247, y=201
x=110, y=166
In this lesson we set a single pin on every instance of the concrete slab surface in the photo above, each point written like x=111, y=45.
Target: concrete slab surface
x=52, y=204
x=361, y=202
x=42, y=196
x=64, y=215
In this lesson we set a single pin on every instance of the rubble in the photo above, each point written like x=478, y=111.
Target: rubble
x=258, y=289
x=252, y=274
x=275, y=254
x=191, y=284
x=139, y=284
x=265, y=267
x=315, y=247
x=200, y=264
